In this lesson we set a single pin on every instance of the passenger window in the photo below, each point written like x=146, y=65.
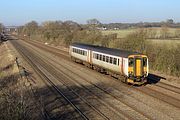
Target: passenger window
x=100, y=58
x=131, y=62
x=97, y=56
x=104, y=57
x=107, y=58
x=144, y=61
x=115, y=61
x=111, y=59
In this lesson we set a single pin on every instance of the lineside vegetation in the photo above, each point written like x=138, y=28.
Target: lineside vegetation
x=161, y=57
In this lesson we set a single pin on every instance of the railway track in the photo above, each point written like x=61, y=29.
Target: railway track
x=115, y=97
x=39, y=70
x=167, y=86
x=65, y=55
x=93, y=92
x=43, y=75
x=154, y=94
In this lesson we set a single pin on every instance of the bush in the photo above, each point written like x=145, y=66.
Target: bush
x=165, y=59
x=134, y=42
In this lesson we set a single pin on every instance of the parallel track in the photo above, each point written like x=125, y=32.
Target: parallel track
x=65, y=55
x=40, y=73
x=162, y=97
x=93, y=107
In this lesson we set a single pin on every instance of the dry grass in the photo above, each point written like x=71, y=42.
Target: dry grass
x=16, y=100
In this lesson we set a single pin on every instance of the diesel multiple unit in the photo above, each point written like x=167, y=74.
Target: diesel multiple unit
x=131, y=65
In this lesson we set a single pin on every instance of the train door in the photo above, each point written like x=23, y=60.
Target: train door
x=138, y=67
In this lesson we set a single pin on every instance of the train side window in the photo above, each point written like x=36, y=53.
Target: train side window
x=97, y=56
x=115, y=61
x=107, y=58
x=78, y=51
x=118, y=62
x=104, y=57
x=111, y=59
x=131, y=62
x=100, y=57
x=144, y=61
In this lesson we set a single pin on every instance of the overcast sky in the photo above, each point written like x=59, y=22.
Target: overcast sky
x=19, y=12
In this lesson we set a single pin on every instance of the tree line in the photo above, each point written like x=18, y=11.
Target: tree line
x=63, y=33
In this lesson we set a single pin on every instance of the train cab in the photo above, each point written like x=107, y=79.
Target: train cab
x=137, y=69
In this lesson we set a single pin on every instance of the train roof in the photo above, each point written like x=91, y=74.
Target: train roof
x=110, y=51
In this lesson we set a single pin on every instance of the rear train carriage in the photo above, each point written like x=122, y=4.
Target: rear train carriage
x=133, y=66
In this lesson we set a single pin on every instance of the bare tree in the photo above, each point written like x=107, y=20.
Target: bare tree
x=135, y=41
x=31, y=28
x=93, y=22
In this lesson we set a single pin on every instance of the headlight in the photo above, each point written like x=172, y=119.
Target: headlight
x=130, y=73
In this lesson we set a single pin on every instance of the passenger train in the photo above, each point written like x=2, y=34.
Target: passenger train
x=132, y=66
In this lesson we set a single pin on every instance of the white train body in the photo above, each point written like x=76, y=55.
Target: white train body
x=113, y=60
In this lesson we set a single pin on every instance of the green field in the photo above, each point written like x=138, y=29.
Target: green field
x=120, y=33
x=165, y=42
x=124, y=32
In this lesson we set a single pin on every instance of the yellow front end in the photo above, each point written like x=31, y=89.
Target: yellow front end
x=137, y=69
